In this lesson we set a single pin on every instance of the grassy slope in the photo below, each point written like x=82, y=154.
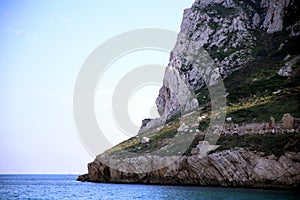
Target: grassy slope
x=275, y=144
x=255, y=101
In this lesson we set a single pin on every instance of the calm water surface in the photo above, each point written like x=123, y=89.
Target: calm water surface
x=65, y=187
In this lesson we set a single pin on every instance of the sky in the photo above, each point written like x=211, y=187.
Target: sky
x=43, y=46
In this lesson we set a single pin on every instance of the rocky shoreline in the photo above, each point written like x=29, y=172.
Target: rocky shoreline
x=234, y=167
x=229, y=168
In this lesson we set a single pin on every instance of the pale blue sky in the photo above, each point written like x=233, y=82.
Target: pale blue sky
x=43, y=45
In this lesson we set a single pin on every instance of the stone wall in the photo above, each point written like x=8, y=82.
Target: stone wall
x=288, y=124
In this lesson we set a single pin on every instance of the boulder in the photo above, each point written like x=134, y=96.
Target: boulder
x=288, y=121
x=287, y=70
x=83, y=178
x=145, y=140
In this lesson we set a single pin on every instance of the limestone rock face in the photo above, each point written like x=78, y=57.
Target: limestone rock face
x=175, y=95
x=225, y=25
x=216, y=36
x=274, y=19
x=207, y=25
x=234, y=168
x=152, y=125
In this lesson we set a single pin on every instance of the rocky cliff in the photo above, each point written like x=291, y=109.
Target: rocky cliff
x=251, y=49
x=229, y=31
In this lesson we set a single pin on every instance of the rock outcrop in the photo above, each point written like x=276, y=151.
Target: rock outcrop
x=229, y=168
x=287, y=70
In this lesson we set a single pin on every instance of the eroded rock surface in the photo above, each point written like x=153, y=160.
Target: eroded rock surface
x=234, y=168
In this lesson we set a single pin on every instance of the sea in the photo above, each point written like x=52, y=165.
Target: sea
x=66, y=187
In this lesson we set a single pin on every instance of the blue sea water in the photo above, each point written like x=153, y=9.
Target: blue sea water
x=66, y=187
